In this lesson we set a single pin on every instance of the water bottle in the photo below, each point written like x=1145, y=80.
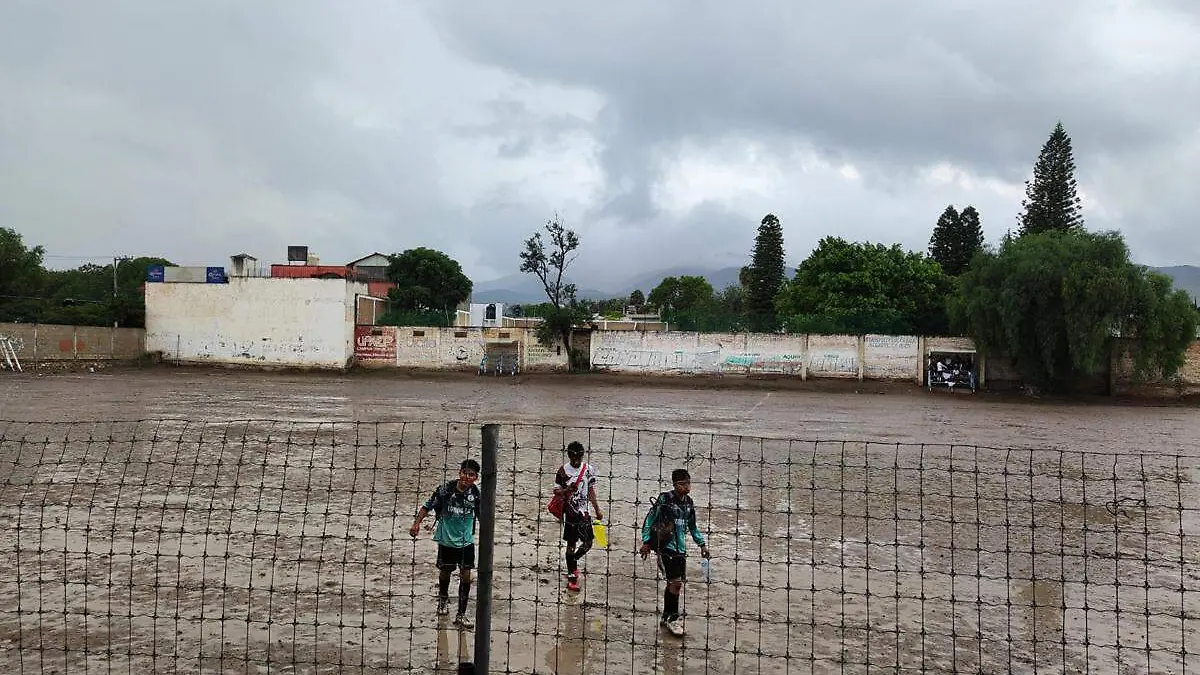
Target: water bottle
x=705, y=569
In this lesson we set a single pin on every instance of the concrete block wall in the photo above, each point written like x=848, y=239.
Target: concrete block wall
x=254, y=321
x=36, y=343
x=454, y=348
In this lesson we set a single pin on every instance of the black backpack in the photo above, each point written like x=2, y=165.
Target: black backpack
x=663, y=529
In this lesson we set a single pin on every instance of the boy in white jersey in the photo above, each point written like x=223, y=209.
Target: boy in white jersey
x=577, y=482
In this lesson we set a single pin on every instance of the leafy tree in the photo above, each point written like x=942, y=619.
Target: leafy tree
x=731, y=300
x=684, y=293
x=549, y=265
x=426, y=280
x=765, y=275
x=637, y=299
x=1051, y=203
x=862, y=287
x=1055, y=302
x=956, y=239
x=20, y=276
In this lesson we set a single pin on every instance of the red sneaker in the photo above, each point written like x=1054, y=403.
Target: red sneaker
x=573, y=583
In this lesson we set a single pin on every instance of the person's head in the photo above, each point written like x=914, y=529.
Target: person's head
x=682, y=480
x=575, y=453
x=468, y=473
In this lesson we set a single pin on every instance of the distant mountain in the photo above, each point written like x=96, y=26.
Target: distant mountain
x=522, y=289
x=719, y=278
x=1187, y=277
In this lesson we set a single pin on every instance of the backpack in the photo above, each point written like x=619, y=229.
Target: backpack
x=663, y=529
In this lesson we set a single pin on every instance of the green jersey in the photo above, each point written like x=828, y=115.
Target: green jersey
x=456, y=514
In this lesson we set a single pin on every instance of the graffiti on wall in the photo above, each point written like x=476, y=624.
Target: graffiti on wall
x=374, y=344
x=784, y=364
x=891, y=356
x=833, y=362
x=653, y=359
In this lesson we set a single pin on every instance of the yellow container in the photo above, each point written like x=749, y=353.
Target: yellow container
x=601, y=531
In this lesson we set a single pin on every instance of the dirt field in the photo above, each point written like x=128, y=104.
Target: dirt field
x=1021, y=537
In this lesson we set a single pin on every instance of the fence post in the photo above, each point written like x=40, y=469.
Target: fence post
x=487, y=536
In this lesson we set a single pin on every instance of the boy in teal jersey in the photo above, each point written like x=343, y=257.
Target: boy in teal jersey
x=671, y=518
x=456, y=504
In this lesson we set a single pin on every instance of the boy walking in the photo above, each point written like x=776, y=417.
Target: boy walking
x=576, y=481
x=672, y=516
x=456, y=504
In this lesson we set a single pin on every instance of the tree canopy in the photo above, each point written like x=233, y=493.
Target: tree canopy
x=84, y=295
x=426, y=280
x=1054, y=302
x=20, y=276
x=683, y=293
x=863, y=287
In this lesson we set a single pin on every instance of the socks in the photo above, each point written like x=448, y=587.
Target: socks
x=444, y=585
x=670, y=605
x=464, y=591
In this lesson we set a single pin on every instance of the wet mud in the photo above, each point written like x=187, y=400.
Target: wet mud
x=902, y=532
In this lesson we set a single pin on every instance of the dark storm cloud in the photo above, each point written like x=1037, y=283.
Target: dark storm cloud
x=887, y=86
x=662, y=131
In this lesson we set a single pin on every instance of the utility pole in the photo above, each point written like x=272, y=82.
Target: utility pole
x=116, y=260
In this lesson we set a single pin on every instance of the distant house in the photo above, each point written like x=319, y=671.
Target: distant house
x=371, y=268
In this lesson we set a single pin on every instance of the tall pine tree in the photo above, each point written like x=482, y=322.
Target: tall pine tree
x=955, y=240
x=941, y=242
x=764, y=275
x=1051, y=203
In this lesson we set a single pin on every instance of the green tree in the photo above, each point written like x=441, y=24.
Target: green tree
x=1051, y=203
x=426, y=281
x=637, y=299
x=765, y=275
x=862, y=287
x=1055, y=302
x=20, y=277
x=956, y=239
x=685, y=293
x=549, y=264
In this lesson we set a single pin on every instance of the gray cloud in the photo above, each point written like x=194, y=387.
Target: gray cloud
x=662, y=132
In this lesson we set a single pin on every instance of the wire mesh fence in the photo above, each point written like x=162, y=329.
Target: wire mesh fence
x=175, y=546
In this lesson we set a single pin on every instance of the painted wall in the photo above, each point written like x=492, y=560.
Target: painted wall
x=35, y=343
x=456, y=348
x=892, y=357
x=254, y=321
x=727, y=353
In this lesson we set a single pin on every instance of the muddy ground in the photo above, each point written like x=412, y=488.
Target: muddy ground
x=913, y=532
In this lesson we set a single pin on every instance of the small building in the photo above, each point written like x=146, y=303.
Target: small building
x=480, y=315
x=373, y=267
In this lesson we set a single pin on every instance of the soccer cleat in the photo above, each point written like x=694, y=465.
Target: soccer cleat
x=673, y=624
x=463, y=621
x=572, y=583
x=443, y=606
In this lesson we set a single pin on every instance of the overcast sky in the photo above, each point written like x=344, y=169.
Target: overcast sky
x=661, y=131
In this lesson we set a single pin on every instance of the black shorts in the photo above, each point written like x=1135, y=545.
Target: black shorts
x=673, y=565
x=577, y=528
x=462, y=558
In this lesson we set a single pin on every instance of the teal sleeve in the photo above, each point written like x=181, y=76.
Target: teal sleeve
x=696, y=536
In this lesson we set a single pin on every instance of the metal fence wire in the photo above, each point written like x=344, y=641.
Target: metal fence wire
x=248, y=546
